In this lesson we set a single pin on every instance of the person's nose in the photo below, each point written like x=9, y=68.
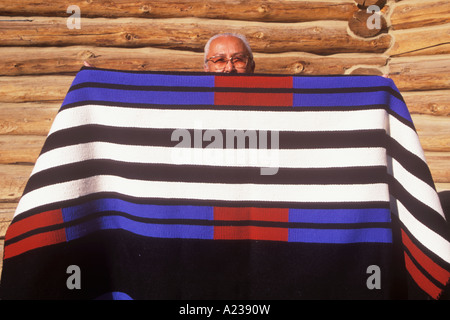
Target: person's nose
x=229, y=68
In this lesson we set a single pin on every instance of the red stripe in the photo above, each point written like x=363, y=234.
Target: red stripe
x=43, y=219
x=35, y=241
x=439, y=273
x=423, y=282
x=253, y=99
x=253, y=82
x=255, y=214
x=250, y=233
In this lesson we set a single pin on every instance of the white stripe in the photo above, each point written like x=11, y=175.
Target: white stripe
x=220, y=119
x=406, y=137
x=285, y=158
x=203, y=191
x=416, y=187
x=424, y=235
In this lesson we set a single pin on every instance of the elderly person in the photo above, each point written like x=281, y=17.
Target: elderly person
x=228, y=53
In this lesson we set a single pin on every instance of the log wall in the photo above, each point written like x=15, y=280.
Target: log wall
x=40, y=56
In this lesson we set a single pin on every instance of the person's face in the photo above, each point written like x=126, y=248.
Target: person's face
x=221, y=50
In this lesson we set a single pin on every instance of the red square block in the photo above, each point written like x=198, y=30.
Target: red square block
x=251, y=232
x=253, y=82
x=253, y=99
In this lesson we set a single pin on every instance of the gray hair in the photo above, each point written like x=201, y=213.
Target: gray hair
x=228, y=34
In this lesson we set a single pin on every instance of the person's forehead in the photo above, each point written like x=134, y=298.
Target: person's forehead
x=227, y=44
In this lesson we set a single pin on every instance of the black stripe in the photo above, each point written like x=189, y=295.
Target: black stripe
x=243, y=223
x=230, y=223
x=222, y=107
x=204, y=174
x=163, y=138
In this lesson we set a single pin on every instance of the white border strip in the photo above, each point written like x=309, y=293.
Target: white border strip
x=220, y=119
x=283, y=158
x=203, y=191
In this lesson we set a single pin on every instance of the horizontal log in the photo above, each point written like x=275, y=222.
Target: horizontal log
x=63, y=60
x=428, y=102
x=312, y=64
x=419, y=13
x=421, y=72
x=322, y=37
x=421, y=41
x=6, y=215
x=27, y=118
x=20, y=149
x=249, y=10
x=34, y=88
x=442, y=186
x=14, y=179
x=367, y=3
x=434, y=132
x=438, y=163
x=60, y=60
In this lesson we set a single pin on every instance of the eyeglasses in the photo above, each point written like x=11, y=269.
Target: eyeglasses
x=238, y=61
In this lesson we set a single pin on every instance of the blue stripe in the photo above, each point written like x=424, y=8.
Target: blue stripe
x=138, y=210
x=112, y=222
x=341, y=236
x=139, y=97
x=300, y=82
x=349, y=99
x=143, y=79
x=352, y=99
x=207, y=98
x=339, y=215
x=172, y=231
x=341, y=99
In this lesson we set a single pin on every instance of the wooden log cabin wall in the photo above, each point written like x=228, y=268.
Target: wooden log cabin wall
x=40, y=55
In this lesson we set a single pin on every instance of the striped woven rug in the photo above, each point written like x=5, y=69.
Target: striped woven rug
x=163, y=185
